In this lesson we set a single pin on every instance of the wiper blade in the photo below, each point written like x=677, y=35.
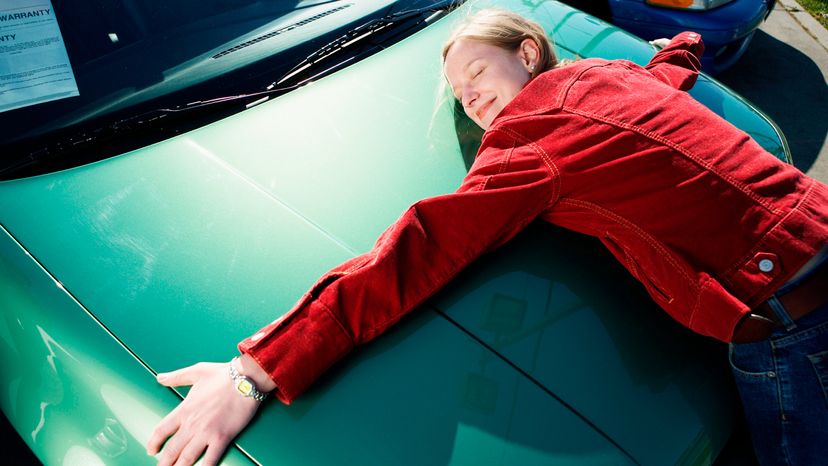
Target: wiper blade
x=152, y=120
x=362, y=32
x=249, y=100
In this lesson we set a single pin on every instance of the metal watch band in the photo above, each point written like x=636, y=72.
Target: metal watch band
x=244, y=385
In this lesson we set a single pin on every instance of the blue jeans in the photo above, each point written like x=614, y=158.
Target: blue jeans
x=783, y=382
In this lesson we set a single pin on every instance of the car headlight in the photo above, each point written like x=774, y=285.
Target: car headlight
x=688, y=4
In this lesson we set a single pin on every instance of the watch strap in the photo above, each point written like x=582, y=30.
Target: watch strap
x=244, y=385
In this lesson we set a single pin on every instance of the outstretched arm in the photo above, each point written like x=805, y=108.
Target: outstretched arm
x=509, y=185
x=678, y=63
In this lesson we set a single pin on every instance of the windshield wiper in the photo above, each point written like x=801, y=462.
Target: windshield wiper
x=353, y=36
x=358, y=35
x=162, y=121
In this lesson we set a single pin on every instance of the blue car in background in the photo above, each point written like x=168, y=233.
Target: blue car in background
x=727, y=26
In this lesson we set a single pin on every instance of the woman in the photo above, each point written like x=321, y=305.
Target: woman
x=606, y=148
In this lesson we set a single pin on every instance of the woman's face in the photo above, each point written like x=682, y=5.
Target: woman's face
x=484, y=78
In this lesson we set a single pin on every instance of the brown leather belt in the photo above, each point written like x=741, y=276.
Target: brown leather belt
x=809, y=294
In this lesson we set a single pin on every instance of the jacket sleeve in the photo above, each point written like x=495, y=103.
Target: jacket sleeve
x=678, y=63
x=508, y=186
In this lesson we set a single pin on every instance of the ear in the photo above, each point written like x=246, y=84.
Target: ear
x=529, y=53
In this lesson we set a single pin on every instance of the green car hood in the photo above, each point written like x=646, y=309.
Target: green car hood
x=183, y=248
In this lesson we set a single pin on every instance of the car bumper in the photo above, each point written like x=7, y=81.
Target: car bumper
x=726, y=30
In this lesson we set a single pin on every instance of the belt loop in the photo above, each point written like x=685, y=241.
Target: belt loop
x=781, y=313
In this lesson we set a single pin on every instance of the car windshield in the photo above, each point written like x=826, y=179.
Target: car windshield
x=129, y=58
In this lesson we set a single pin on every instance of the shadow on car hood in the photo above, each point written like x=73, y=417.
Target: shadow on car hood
x=543, y=351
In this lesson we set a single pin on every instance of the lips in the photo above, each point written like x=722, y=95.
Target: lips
x=481, y=112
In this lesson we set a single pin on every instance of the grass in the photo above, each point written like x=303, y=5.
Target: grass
x=817, y=8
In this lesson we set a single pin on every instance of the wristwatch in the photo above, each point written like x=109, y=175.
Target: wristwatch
x=244, y=385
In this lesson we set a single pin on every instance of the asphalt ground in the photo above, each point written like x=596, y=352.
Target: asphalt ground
x=784, y=74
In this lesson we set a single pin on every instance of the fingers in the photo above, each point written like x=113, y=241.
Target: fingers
x=184, y=450
x=212, y=455
x=167, y=427
x=175, y=445
x=205, y=422
x=190, y=453
x=660, y=43
x=186, y=376
x=193, y=450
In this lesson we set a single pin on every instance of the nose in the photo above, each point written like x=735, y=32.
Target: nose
x=469, y=96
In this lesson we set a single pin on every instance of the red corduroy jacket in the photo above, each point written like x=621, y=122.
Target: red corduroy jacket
x=697, y=211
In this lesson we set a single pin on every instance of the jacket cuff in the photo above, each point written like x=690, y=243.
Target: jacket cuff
x=717, y=312
x=295, y=355
x=692, y=41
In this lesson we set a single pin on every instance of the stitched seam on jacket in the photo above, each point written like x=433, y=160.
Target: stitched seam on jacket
x=358, y=265
x=545, y=158
x=704, y=285
x=338, y=323
x=278, y=389
x=755, y=249
x=500, y=169
x=664, y=141
x=444, y=277
x=638, y=231
x=631, y=265
x=567, y=85
x=505, y=162
x=575, y=78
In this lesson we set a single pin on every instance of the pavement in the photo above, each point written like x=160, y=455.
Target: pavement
x=784, y=74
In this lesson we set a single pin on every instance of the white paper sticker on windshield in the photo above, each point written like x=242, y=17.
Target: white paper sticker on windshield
x=34, y=65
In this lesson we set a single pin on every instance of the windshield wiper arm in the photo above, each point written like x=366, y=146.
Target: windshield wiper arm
x=359, y=34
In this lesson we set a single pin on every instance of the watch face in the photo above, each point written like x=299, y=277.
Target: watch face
x=244, y=387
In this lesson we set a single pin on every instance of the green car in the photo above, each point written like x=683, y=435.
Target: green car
x=217, y=157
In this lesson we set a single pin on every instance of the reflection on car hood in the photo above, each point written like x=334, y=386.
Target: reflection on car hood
x=185, y=247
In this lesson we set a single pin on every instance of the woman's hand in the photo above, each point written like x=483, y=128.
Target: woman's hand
x=208, y=419
x=660, y=43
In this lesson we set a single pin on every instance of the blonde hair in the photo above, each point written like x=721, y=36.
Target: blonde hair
x=507, y=30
